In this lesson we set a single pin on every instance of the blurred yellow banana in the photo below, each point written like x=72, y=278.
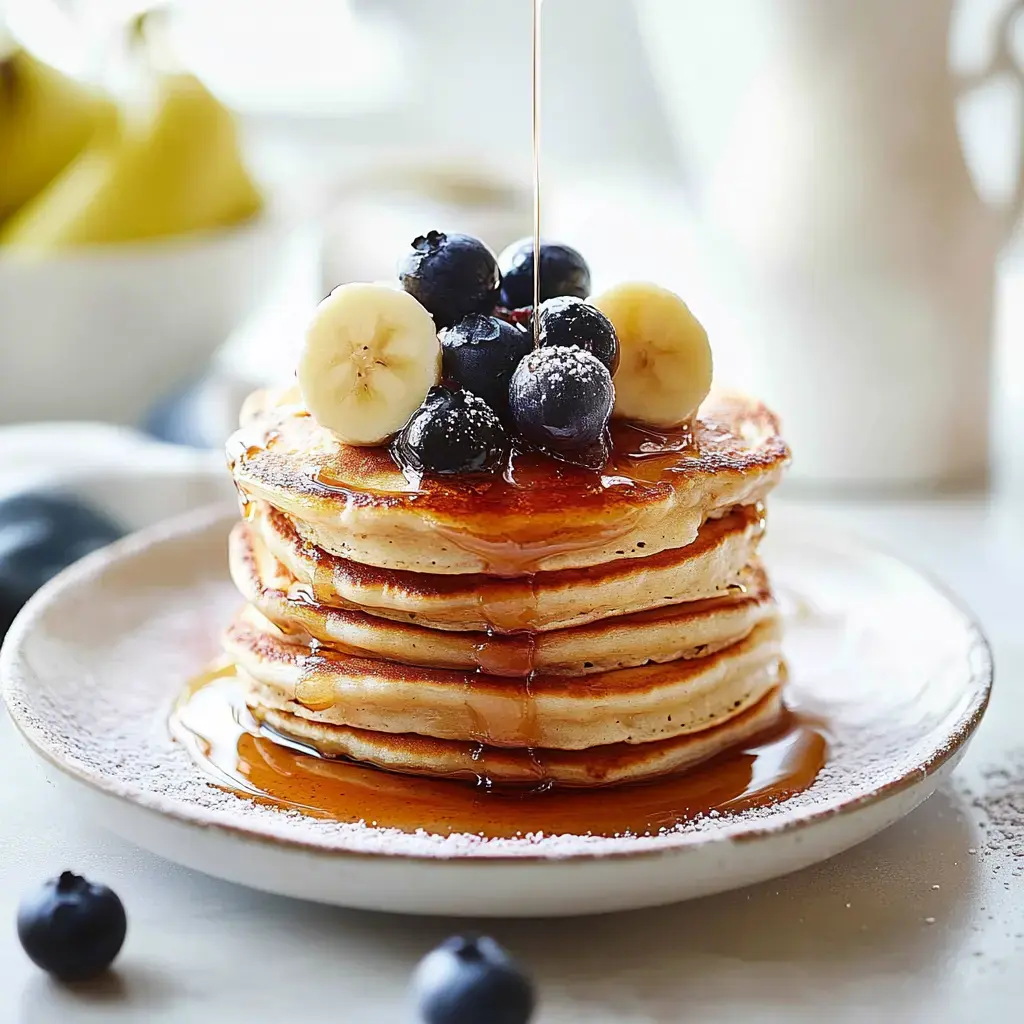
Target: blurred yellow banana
x=46, y=119
x=171, y=169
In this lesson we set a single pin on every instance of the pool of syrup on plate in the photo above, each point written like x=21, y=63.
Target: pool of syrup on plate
x=240, y=755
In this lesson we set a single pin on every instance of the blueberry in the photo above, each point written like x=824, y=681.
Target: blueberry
x=452, y=432
x=563, y=271
x=480, y=352
x=451, y=275
x=567, y=320
x=471, y=980
x=40, y=534
x=72, y=928
x=561, y=398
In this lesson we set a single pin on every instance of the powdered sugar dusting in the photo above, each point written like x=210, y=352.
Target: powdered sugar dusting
x=999, y=805
x=562, y=363
x=899, y=675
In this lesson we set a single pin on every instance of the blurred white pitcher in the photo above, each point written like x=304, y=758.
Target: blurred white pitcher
x=854, y=257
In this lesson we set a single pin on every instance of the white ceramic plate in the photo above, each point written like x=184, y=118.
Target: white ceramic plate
x=92, y=665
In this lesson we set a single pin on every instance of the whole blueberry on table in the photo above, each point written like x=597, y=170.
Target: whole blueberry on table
x=451, y=275
x=40, y=534
x=561, y=398
x=567, y=320
x=563, y=271
x=472, y=980
x=480, y=353
x=452, y=432
x=72, y=928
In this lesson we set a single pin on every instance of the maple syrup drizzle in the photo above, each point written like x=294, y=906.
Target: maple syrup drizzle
x=640, y=465
x=636, y=455
x=246, y=506
x=240, y=755
x=323, y=579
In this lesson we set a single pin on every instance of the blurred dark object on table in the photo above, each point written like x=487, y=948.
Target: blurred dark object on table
x=41, y=534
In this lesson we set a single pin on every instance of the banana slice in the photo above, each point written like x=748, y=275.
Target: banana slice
x=665, y=365
x=371, y=355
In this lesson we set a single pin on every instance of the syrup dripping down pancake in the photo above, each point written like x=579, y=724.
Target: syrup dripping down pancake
x=706, y=568
x=598, y=766
x=633, y=705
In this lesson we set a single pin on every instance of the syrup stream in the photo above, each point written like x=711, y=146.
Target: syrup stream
x=537, y=6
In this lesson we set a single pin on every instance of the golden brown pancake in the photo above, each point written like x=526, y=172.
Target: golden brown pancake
x=707, y=568
x=598, y=766
x=654, y=493
x=687, y=630
x=633, y=705
x=548, y=622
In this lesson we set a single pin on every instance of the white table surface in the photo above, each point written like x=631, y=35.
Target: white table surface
x=923, y=923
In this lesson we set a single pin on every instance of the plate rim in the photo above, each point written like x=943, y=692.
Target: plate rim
x=180, y=527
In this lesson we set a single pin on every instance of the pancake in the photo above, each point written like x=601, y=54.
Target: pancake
x=632, y=705
x=599, y=766
x=685, y=630
x=706, y=568
x=654, y=493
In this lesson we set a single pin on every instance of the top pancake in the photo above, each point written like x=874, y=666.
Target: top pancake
x=655, y=492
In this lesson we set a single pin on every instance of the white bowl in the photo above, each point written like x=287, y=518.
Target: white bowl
x=100, y=333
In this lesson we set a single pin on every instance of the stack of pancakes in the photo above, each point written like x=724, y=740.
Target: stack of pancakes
x=553, y=624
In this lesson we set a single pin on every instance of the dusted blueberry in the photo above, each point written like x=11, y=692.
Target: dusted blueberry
x=561, y=398
x=472, y=980
x=71, y=928
x=480, y=353
x=566, y=320
x=452, y=432
x=563, y=271
x=451, y=275
x=40, y=534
